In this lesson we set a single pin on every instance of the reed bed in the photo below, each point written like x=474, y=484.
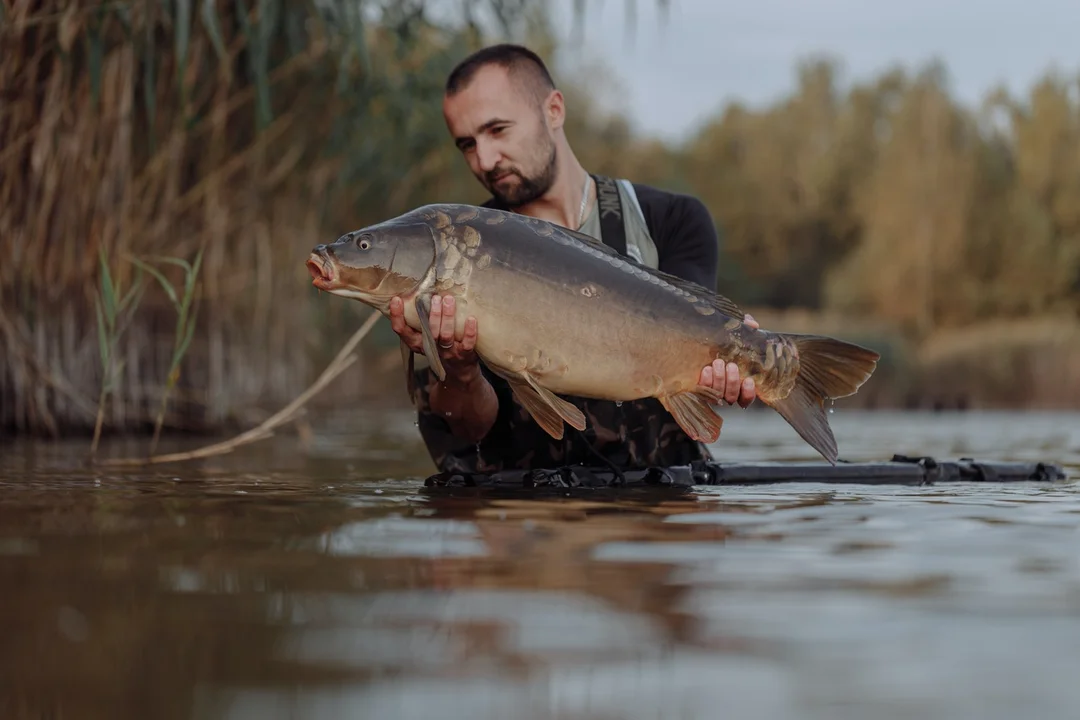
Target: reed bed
x=1032, y=363
x=236, y=134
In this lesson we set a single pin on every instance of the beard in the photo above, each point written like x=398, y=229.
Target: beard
x=529, y=187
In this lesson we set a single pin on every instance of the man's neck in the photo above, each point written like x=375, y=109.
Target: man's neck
x=562, y=203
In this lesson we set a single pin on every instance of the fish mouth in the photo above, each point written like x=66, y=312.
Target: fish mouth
x=322, y=271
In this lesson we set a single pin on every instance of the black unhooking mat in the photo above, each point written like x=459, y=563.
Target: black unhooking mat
x=900, y=470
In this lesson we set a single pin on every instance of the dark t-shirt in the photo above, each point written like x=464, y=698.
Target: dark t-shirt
x=683, y=232
x=631, y=434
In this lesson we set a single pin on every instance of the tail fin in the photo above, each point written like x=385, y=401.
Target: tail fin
x=828, y=369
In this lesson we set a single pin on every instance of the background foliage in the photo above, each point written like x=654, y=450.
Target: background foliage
x=243, y=132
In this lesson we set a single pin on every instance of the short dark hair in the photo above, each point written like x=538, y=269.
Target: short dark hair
x=517, y=60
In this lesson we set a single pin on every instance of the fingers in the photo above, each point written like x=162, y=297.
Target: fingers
x=442, y=320
x=731, y=387
x=409, y=336
x=397, y=315
x=444, y=324
x=468, y=339
x=724, y=379
x=749, y=320
x=457, y=353
x=715, y=376
x=747, y=393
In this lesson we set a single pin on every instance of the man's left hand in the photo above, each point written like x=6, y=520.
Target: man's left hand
x=725, y=380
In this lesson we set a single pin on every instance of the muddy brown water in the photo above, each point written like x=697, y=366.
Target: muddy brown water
x=320, y=580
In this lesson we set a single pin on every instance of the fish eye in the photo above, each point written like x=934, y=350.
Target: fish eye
x=363, y=242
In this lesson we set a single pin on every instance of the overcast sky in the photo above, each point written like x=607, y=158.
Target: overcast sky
x=713, y=50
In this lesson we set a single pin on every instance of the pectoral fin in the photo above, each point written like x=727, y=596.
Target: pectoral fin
x=691, y=410
x=408, y=361
x=548, y=409
x=431, y=350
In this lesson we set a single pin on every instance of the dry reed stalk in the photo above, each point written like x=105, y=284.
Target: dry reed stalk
x=135, y=129
x=16, y=343
x=90, y=183
x=341, y=362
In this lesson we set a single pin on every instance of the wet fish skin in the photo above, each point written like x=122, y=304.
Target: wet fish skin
x=560, y=313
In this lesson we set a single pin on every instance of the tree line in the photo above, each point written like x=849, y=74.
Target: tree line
x=888, y=198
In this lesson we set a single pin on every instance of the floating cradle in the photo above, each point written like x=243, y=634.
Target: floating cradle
x=899, y=470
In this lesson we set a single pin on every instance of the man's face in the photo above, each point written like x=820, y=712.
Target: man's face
x=505, y=136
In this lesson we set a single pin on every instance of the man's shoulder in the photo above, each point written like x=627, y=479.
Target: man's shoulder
x=669, y=212
x=654, y=198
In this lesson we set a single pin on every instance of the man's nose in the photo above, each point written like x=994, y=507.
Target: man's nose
x=487, y=155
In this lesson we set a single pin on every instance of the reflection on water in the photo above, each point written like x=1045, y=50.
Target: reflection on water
x=322, y=581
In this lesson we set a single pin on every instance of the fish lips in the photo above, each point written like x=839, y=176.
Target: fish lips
x=322, y=270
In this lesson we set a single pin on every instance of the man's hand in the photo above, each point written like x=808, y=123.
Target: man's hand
x=458, y=353
x=725, y=380
x=465, y=400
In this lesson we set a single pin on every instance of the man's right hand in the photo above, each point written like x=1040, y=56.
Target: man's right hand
x=458, y=354
x=465, y=400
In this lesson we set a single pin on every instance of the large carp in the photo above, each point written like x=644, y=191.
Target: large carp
x=560, y=313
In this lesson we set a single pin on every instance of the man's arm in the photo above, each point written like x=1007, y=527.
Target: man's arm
x=688, y=247
x=465, y=400
x=467, y=403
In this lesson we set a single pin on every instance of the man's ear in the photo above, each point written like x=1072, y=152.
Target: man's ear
x=555, y=110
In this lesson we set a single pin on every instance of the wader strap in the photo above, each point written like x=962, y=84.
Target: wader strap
x=609, y=204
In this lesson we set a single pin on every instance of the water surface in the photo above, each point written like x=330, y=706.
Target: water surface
x=319, y=579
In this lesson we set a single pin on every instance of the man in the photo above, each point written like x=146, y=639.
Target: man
x=506, y=116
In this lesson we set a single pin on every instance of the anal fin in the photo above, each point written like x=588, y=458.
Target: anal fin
x=691, y=411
